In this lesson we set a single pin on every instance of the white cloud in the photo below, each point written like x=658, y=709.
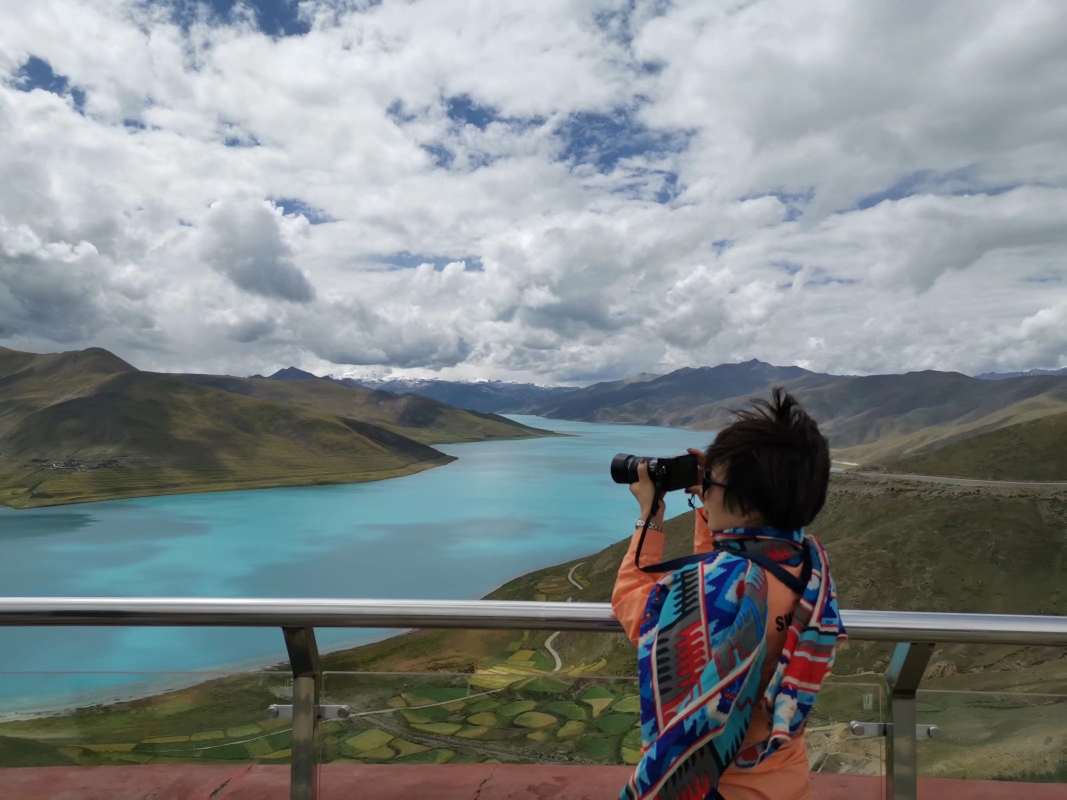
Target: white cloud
x=246, y=243
x=861, y=187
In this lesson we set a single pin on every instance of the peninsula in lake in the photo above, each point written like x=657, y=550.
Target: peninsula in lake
x=85, y=425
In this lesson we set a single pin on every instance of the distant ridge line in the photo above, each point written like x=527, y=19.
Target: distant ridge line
x=1031, y=373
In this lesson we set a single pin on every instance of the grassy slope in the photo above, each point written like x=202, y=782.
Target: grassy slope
x=174, y=434
x=1032, y=451
x=29, y=382
x=882, y=416
x=931, y=437
x=170, y=436
x=421, y=418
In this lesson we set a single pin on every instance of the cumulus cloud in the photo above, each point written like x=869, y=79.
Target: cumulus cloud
x=559, y=190
x=47, y=289
x=245, y=243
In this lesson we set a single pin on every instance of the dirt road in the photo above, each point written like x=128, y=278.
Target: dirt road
x=962, y=481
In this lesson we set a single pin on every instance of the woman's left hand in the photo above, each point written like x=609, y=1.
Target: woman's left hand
x=698, y=490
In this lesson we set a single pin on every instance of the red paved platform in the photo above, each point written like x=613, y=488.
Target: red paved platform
x=440, y=782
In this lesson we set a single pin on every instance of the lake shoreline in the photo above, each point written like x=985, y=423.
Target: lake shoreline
x=179, y=681
x=337, y=477
x=500, y=510
x=244, y=486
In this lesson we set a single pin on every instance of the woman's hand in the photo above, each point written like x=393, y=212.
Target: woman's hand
x=698, y=490
x=645, y=492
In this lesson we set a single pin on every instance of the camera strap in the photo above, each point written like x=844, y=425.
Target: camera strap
x=791, y=581
x=641, y=542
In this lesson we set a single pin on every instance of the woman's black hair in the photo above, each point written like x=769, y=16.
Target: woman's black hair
x=775, y=461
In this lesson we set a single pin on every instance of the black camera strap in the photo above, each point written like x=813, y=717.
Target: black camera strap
x=648, y=521
x=791, y=581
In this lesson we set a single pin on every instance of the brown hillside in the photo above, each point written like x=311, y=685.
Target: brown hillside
x=420, y=418
x=87, y=426
x=1035, y=450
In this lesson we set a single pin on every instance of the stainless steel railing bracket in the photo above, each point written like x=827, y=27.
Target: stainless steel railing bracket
x=322, y=712
x=871, y=730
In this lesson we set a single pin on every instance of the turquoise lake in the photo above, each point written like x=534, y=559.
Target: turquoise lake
x=454, y=532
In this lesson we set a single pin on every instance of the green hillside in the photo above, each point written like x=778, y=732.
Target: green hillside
x=86, y=426
x=421, y=418
x=893, y=545
x=1029, y=451
x=30, y=381
x=876, y=417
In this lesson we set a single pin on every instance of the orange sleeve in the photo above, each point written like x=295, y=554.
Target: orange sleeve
x=701, y=534
x=632, y=586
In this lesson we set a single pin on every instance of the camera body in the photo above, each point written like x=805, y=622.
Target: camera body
x=669, y=474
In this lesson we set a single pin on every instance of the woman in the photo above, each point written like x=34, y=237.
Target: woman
x=734, y=644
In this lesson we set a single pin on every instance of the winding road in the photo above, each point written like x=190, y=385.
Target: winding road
x=552, y=650
x=570, y=577
x=552, y=638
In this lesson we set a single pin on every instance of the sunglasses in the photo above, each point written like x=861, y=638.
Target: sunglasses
x=708, y=482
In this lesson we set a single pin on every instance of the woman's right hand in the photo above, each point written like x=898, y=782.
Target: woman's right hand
x=698, y=490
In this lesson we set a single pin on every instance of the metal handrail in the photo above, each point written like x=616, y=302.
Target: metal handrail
x=914, y=631
x=877, y=626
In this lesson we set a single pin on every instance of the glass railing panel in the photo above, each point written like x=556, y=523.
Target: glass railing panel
x=450, y=718
x=1004, y=736
x=131, y=719
x=832, y=747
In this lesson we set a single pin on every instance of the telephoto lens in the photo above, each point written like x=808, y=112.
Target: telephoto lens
x=669, y=474
x=624, y=468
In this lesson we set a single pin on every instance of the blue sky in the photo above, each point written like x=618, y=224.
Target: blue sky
x=36, y=73
x=562, y=191
x=271, y=17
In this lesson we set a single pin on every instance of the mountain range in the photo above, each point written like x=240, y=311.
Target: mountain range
x=999, y=376
x=421, y=418
x=487, y=396
x=86, y=425
x=871, y=419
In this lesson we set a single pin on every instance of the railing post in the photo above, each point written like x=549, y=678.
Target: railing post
x=304, y=658
x=902, y=678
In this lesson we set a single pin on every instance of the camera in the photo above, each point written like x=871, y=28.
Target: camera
x=669, y=474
